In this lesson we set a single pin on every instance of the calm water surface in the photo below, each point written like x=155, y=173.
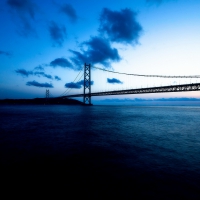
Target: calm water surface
x=102, y=151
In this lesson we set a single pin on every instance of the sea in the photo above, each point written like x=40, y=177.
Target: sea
x=100, y=152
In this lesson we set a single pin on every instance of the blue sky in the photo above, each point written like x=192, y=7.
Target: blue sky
x=44, y=44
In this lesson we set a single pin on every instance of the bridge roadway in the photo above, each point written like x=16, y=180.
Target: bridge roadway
x=162, y=89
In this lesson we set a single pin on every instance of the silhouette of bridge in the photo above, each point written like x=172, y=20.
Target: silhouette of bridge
x=87, y=94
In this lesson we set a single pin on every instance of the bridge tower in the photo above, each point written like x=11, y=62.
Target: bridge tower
x=47, y=96
x=87, y=85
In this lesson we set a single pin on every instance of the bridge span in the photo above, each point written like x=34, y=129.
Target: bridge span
x=162, y=89
x=87, y=94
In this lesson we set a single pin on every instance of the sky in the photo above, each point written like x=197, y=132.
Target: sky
x=44, y=45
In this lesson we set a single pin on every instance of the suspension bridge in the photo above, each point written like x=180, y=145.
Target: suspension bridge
x=87, y=83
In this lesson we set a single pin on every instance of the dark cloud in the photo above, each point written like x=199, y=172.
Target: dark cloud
x=115, y=26
x=39, y=68
x=61, y=62
x=120, y=26
x=73, y=85
x=113, y=81
x=78, y=59
x=25, y=11
x=69, y=11
x=36, y=84
x=99, y=50
x=26, y=73
x=23, y=72
x=23, y=6
x=57, y=78
x=82, y=82
x=43, y=74
x=57, y=33
x=6, y=53
x=77, y=85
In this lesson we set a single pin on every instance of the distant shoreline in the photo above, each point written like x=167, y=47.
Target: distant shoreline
x=40, y=101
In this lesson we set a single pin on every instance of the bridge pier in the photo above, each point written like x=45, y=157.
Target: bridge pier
x=87, y=85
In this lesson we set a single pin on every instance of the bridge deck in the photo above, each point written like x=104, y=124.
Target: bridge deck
x=162, y=89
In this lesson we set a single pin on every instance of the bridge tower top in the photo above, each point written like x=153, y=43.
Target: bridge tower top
x=87, y=85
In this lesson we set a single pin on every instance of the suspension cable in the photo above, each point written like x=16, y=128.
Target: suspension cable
x=160, y=76
x=67, y=90
x=72, y=88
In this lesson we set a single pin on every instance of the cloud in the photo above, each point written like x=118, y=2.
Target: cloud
x=120, y=26
x=25, y=6
x=113, y=81
x=73, y=85
x=26, y=73
x=25, y=11
x=99, y=50
x=39, y=67
x=78, y=59
x=6, y=53
x=23, y=72
x=115, y=26
x=69, y=11
x=61, y=62
x=82, y=82
x=57, y=78
x=57, y=33
x=77, y=85
x=36, y=84
x=43, y=74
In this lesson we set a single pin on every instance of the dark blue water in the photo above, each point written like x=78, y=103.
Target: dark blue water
x=101, y=151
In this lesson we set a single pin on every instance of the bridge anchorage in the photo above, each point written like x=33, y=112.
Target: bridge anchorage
x=87, y=85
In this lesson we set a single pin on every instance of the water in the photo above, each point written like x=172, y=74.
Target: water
x=102, y=151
